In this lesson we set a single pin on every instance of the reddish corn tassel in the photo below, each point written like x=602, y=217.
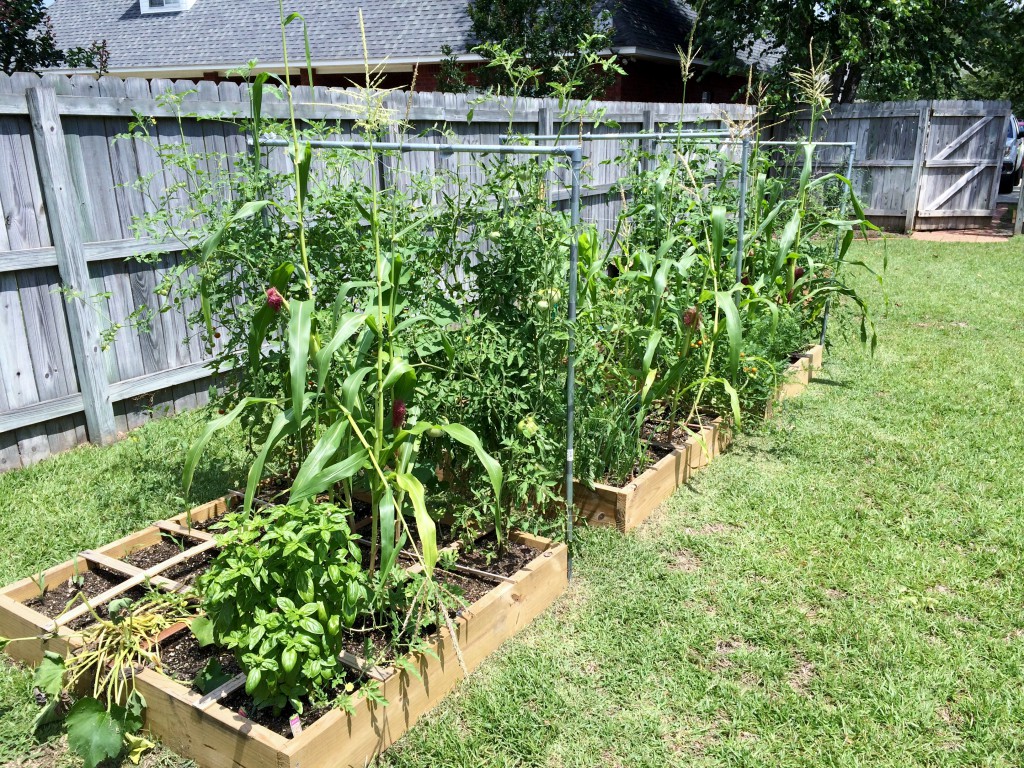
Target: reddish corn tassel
x=691, y=318
x=398, y=413
x=274, y=299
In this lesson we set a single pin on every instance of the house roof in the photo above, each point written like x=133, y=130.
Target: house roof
x=216, y=34
x=220, y=34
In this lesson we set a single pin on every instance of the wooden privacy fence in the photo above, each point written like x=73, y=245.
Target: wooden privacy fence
x=68, y=203
x=921, y=164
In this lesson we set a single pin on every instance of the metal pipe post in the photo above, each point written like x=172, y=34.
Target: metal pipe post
x=742, y=213
x=395, y=146
x=852, y=151
x=663, y=135
x=576, y=159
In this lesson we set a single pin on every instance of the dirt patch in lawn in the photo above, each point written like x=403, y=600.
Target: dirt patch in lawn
x=684, y=561
x=801, y=677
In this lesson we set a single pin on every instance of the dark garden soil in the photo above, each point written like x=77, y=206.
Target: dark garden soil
x=184, y=572
x=168, y=547
x=205, y=525
x=466, y=587
x=55, y=599
x=183, y=659
x=658, y=429
x=242, y=703
x=482, y=557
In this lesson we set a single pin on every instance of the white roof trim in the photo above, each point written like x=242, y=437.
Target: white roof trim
x=327, y=66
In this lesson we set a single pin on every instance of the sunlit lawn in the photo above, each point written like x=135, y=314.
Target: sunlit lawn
x=844, y=588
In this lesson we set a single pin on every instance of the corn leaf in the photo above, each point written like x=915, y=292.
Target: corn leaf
x=725, y=302
x=299, y=331
x=424, y=523
x=211, y=428
x=345, y=330
x=467, y=437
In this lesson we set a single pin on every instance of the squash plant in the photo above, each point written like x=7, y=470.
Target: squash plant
x=103, y=720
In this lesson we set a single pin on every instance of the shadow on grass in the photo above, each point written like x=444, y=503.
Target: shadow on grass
x=829, y=383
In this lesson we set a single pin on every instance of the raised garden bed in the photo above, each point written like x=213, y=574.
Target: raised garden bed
x=799, y=374
x=210, y=728
x=628, y=506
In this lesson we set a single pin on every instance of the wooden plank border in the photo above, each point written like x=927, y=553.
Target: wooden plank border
x=199, y=727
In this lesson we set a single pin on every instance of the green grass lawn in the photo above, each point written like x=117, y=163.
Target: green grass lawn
x=843, y=588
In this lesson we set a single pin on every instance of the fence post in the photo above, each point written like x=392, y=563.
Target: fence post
x=912, y=197
x=62, y=207
x=647, y=164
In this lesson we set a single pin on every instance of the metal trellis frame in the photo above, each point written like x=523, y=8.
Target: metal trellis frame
x=574, y=153
x=711, y=136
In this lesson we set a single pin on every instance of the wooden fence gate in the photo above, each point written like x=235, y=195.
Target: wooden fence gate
x=961, y=164
x=919, y=164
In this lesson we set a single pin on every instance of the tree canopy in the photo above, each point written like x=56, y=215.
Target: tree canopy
x=883, y=49
x=27, y=43
x=548, y=35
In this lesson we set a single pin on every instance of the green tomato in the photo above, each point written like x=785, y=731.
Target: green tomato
x=528, y=427
x=435, y=432
x=542, y=305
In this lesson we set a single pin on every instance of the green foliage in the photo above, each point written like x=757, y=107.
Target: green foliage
x=885, y=50
x=211, y=677
x=93, y=732
x=552, y=37
x=27, y=42
x=287, y=582
x=101, y=725
x=451, y=77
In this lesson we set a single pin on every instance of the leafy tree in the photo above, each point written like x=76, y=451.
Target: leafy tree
x=548, y=35
x=451, y=78
x=886, y=49
x=27, y=43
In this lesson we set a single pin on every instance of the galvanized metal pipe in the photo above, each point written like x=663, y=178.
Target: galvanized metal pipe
x=576, y=160
x=396, y=146
x=615, y=136
x=742, y=214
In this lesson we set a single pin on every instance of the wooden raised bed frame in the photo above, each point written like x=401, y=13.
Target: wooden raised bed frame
x=199, y=728
x=627, y=506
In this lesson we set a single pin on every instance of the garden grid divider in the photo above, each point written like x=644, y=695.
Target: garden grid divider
x=202, y=728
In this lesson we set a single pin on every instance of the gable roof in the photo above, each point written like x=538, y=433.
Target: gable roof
x=222, y=34
x=218, y=34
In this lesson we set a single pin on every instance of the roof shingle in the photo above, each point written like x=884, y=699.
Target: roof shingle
x=219, y=34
